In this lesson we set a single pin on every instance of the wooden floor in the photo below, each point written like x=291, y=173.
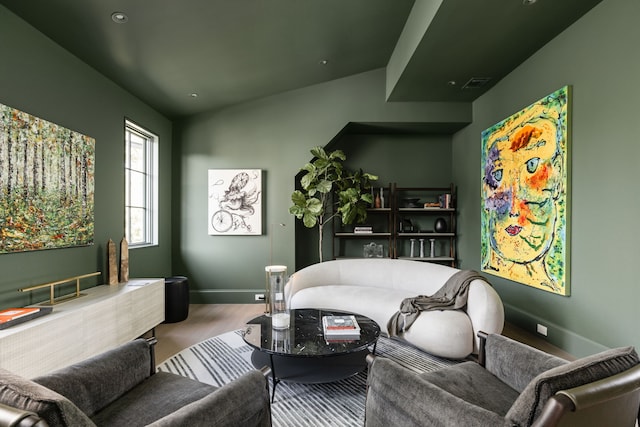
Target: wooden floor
x=204, y=321
x=208, y=320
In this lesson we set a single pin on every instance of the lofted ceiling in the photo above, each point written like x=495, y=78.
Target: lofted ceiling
x=232, y=51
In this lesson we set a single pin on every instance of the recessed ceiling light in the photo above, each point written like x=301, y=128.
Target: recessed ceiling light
x=528, y=2
x=119, y=17
x=323, y=62
x=451, y=83
x=193, y=95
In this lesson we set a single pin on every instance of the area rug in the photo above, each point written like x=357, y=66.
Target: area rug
x=224, y=358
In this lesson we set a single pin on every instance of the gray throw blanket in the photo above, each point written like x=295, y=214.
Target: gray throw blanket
x=452, y=296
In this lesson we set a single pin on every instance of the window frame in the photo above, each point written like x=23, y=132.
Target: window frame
x=150, y=183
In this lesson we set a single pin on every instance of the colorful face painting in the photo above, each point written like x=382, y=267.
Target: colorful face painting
x=525, y=195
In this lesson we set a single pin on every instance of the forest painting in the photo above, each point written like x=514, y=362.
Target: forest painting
x=46, y=184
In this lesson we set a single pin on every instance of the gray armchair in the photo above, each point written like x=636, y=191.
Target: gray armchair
x=512, y=385
x=121, y=388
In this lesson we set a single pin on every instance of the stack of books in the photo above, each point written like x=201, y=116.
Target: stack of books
x=340, y=328
x=445, y=201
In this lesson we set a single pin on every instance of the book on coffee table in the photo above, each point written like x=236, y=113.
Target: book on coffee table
x=340, y=328
x=340, y=323
x=337, y=339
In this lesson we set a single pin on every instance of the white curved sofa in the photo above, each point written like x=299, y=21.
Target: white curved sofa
x=375, y=287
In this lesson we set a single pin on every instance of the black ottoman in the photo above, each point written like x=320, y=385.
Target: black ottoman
x=176, y=299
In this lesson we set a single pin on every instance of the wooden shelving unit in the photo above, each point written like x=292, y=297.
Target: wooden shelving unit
x=419, y=223
x=390, y=226
x=348, y=244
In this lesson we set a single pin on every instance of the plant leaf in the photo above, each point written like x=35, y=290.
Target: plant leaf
x=314, y=206
x=338, y=154
x=324, y=186
x=307, y=181
x=319, y=152
x=309, y=221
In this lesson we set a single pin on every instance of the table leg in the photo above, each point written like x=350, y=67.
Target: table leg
x=274, y=379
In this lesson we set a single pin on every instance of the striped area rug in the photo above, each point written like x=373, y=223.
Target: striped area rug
x=221, y=359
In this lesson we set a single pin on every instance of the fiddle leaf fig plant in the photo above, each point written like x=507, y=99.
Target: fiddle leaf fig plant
x=324, y=177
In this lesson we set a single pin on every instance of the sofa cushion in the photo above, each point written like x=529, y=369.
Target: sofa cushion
x=582, y=371
x=409, y=277
x=445, y=333
x=27, y=395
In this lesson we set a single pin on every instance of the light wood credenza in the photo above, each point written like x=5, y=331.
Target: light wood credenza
x=105, y=317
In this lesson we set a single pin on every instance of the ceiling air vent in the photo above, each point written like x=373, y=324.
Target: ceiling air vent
x=476, y=82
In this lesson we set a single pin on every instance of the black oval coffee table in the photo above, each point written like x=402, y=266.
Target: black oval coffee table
x=301, y=353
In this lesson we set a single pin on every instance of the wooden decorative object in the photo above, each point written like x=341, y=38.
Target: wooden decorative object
x=124, y=260
x=112, y=263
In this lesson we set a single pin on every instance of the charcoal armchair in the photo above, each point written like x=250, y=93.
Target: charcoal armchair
x=121, y=388
x=513, y=385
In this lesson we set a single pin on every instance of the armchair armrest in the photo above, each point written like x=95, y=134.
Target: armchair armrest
x=14, y=417
x=617, y=398
x=514, y=363
x=94, y=383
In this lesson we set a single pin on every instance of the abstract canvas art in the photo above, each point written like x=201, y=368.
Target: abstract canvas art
x=235, y=201
x=525, y=195
x=46, y=184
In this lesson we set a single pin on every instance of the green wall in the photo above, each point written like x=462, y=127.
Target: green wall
x=274, y=134
x=598, y=57
x=39, y=77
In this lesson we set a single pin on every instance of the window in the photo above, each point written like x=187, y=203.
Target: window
x=141, y=186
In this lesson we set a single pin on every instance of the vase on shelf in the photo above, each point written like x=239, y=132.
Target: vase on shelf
x=440, y=225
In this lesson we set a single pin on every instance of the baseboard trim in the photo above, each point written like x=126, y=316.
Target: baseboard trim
x=225, y=296
x=560, y=337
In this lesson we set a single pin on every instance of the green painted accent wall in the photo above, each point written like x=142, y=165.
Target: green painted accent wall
x=597, y=56
x=39, y=77
x=275, y=134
